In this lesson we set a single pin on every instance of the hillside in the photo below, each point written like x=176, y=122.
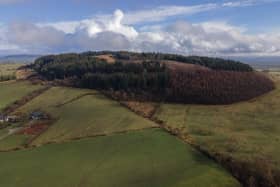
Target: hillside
x=244, y=137
x=156, y=76
x=87, y=139
x=76, y=123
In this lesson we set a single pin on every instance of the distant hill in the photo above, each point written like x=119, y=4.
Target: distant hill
x=261, y=62
x=18, y=58
x=157, y=76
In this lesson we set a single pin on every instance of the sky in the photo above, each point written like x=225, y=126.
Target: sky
x=210, y=28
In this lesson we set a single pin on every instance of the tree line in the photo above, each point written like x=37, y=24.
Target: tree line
x=98, y=74
x=210, y=62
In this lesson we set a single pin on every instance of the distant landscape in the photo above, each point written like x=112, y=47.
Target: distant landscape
x=150, y=93
x=18, y=58
x=137, y=117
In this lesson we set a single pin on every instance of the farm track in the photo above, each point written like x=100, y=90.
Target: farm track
x=10, y=132
x=75, y=99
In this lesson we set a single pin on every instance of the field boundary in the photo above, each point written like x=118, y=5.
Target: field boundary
x=75, y=99
x=243, y=171
x=17, y=104
x=29, y=147
x=188, y=140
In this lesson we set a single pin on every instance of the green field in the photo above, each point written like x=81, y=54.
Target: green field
x=12, y=91
x=149, y=158
x=9, y=69
x=247, y=131
x=87, y=115
x=12, y=142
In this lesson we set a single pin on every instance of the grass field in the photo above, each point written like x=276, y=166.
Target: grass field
x=12, y=91
x=8, y=69
x=79, y=114
x=13, y=142
x=150, y=158
x=247, y=131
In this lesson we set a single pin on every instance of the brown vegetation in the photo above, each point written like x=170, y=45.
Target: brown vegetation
x=24, y=73
x=174, y=66
x=216, y=87
x=35, y=129
x=108, y=58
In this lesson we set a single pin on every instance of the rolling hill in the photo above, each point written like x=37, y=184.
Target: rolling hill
x=165, y=77
x=140, y=120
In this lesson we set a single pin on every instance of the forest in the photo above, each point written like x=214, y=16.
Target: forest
x=207, y=81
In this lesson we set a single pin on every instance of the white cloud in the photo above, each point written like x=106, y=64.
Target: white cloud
x=244, y=3
x=150, y=15
x=161, y=13
x=108, y=23
x=5, y=45
x=129, y=18
x=112, y=33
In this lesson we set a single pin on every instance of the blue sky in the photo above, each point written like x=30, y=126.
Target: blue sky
x=224, y=28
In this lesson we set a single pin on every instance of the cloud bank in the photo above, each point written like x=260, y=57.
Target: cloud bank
x=118, y=32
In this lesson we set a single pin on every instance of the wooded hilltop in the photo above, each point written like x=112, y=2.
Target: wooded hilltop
x=157, y=76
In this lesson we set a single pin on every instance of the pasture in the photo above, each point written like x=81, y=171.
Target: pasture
x=248, y=132
x=144, y=158
x=9, y=69
x=12, y=91
x=13, y=141
x=79, y=113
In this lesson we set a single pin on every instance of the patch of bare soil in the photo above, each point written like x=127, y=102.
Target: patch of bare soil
x=108, y=58
x=24, y=73
x=179, y=66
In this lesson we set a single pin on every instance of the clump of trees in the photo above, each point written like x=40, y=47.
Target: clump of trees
x=225, y=81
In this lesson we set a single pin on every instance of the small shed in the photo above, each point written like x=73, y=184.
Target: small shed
x=37, y=115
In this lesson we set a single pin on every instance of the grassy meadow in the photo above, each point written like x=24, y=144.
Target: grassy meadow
x=144, y=158
x=8, y=71
x=248, y=131
x=14, y=141
x=80, y=113
x=12, y=91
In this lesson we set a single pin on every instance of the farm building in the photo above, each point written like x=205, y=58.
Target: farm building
x=11, y=119
x=37, y=115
